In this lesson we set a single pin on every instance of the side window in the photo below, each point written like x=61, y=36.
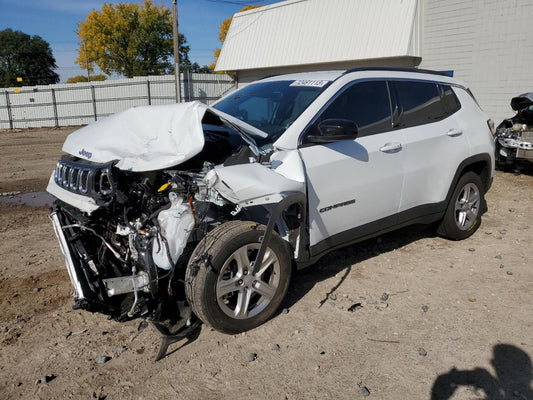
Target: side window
x=420, y=103
x=450, y=100
x=365, y=103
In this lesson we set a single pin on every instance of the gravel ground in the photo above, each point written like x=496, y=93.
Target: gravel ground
x=398, y=317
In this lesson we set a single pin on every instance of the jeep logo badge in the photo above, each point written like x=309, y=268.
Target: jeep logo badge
x=85, y=153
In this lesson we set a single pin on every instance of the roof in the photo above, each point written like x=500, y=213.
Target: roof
x=297, y=32
x=368, y=72
x=316, y=75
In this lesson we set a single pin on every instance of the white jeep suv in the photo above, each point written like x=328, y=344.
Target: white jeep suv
x=184, y=212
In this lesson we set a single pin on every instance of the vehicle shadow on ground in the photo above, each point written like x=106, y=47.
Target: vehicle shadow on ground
x=513, y=379
x=522, y=168
x=343, y=260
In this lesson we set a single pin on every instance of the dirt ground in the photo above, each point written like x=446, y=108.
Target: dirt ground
x=395, y=317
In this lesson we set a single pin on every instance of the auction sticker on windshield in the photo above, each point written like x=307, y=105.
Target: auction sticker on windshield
x=309, y=82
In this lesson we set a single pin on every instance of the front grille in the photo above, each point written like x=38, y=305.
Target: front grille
x=85, y=178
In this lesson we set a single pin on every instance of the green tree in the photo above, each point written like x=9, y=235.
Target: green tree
x=223, y=32
x=27, y=57
x=204, y=69
x=83, y=78
x=130, y=40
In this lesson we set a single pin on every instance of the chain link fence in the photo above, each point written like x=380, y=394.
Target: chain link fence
x=81, y=103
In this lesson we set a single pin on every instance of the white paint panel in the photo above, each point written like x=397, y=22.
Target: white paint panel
x=355, y=173
x=299, y=32
x=253, y=184
x=431, y=159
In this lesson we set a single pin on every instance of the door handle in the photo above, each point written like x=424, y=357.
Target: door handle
x=391, y=147
x=454, y=132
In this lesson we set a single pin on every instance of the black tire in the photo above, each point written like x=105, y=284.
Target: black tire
x=463, y=215
x=219, y=284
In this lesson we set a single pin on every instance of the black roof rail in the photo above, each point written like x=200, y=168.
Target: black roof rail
x=396, y=69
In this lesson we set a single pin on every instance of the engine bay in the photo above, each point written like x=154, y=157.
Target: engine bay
x=125, y=250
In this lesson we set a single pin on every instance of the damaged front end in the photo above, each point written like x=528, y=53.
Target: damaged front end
x=128, y=215
x=123, y=256
x=514, y=136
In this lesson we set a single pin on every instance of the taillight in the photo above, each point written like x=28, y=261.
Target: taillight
x=490, y=123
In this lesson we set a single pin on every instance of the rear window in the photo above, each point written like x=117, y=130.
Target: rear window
x=420, y=102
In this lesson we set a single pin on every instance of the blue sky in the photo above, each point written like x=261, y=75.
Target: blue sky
x=56, y=21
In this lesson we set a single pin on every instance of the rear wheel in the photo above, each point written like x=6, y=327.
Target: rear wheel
x=224, y=289
x=463, y=215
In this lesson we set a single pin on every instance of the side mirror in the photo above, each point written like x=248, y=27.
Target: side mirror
x=334, y=130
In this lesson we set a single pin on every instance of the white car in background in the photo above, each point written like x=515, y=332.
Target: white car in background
x=184, y=212
x=514, y=136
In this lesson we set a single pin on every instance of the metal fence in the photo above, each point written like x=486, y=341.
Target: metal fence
x=82, y=103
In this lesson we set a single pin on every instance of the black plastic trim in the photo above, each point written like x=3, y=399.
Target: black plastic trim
x=85, y=173
x=424, y=214
x=483, y=157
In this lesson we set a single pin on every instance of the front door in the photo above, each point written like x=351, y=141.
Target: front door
x=354, y=187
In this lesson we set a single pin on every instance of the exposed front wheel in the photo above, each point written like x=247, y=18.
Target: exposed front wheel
x=463, y=215
x=224, y=287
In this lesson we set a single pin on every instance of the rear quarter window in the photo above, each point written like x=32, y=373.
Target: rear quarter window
x=450, y=100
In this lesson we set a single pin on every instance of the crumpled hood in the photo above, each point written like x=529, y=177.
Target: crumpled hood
x=142, y=138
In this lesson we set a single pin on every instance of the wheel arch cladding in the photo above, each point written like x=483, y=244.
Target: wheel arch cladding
x=482, y=169
x=480, y=164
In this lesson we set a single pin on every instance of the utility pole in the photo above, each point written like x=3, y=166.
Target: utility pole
x=176, y=50
x=86, y=61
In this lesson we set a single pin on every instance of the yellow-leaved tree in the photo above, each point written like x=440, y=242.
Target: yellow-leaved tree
x=83, y=78
x=223, y=32
x=130, y=40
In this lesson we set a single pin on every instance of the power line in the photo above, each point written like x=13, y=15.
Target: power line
x=236, y=2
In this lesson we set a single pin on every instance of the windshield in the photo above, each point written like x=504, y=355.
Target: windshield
x=272, y=106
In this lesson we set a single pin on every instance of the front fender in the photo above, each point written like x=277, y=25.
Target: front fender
x=252, y=184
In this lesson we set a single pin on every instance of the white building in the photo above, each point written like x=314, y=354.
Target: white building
x=485, y=43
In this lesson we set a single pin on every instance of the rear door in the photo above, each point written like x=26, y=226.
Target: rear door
x=434, y=143
x=353, y=184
